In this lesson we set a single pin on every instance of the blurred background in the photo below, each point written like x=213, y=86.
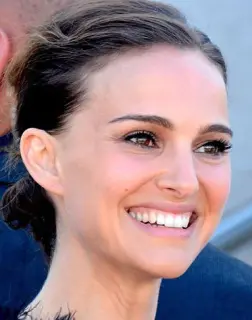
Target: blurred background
x=228, y=23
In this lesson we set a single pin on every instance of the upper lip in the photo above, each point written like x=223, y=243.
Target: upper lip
x=167, y=207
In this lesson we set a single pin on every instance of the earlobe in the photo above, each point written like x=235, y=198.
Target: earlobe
x=4, y=51
x=39, y=155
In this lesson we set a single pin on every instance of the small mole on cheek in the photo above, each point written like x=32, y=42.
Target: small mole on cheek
x=126, y=190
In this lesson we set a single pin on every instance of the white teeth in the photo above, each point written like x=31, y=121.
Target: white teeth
x=178, y=223
x=139, y=216
x=152, y=217
x=169, y=220
x=133, y=215
x=186, y=221
x=145, y=217
x=160, y=219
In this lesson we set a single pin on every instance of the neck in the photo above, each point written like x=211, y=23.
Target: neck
x=95, y=289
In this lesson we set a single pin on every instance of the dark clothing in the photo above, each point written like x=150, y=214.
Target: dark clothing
x=22, y=264
x=22, y=268
x=7, y=177
x=216, y=287
x=10, y=314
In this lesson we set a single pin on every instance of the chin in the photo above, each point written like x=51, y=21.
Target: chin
x=175, y=271
x=169, y=271
x=164, y=268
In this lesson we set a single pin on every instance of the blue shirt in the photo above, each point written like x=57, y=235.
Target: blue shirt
x=8, y=177
x=22, y=265
x=215, y=287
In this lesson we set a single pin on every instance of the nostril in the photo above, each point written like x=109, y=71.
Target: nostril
x=178, y=184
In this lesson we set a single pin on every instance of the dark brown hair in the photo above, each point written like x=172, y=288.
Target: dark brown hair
x=48, y=84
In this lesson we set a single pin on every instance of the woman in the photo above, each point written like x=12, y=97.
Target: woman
x=122, y=123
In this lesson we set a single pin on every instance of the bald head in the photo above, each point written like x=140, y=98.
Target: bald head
x=16, y=18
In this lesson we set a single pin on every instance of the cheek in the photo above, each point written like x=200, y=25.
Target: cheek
x=215, y=184
x=216, y=181
x=124, y=174
x=95, y=189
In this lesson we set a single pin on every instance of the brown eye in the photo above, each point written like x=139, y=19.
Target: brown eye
x=215, y=148
x=142, y=139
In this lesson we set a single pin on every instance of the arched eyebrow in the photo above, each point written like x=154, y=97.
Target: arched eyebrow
x=157, y=120
x=167, y=124
x=216, y=128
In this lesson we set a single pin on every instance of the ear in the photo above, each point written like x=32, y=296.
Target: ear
x=4, y=51
x=39, y=154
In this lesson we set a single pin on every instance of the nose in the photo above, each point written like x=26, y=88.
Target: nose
x=179, y=176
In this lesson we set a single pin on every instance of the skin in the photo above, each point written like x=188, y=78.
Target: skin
x=93, y=175
x=16, y=18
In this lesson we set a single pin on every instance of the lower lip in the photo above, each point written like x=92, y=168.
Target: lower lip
x=162, y=231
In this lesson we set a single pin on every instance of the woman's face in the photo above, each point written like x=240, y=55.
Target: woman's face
x=145, y=164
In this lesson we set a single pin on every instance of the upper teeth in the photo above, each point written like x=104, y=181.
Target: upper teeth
x=170, y=220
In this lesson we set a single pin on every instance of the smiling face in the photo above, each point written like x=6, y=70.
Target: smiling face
x=151, y=144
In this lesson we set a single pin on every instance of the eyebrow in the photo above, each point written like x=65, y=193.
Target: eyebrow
x=167, y=124
x=160, y=121
x=217, y=128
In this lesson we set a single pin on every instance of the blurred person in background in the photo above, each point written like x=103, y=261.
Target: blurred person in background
x=22, y=265
x=216, y=286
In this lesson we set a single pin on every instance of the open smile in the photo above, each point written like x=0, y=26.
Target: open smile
x=164, y=223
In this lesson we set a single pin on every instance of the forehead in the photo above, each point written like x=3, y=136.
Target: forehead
x=166, y=81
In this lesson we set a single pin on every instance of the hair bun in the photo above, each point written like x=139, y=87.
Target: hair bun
x=26, y=205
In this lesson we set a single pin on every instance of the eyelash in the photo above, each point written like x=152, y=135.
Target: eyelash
x=217, y=147
x=220, y=147
x=142, y=134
